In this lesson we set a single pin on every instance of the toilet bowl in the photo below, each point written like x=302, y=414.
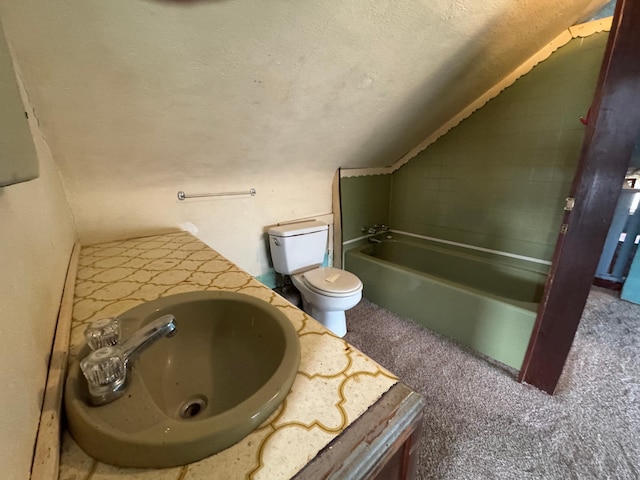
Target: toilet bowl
x=327, y=293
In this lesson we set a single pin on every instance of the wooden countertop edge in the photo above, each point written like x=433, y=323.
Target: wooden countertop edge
x=46, y=457
x=367, y=443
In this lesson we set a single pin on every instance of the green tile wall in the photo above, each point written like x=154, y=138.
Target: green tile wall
x=364, y=201
x=498, y=180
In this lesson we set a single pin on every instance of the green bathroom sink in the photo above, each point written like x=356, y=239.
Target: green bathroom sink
x=229, y=365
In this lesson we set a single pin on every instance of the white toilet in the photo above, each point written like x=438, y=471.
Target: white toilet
x=298, y=249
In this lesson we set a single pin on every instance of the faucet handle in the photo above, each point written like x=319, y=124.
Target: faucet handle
x=102, y=333
x=105, y=366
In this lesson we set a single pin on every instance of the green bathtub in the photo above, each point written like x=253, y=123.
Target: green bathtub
x=480, y=300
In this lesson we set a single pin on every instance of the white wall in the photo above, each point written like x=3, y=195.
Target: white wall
x=234, y=226
x=36, y=238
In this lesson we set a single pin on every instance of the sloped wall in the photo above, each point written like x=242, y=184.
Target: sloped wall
x=499, y=179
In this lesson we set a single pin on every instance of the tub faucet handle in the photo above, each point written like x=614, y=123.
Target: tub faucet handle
x=375, y=229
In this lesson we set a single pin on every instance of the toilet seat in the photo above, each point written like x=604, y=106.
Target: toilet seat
x=332, y=282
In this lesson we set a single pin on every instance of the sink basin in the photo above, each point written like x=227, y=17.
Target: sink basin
x=229, y=365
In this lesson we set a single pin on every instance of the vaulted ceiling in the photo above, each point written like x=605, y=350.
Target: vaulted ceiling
x=218, y=87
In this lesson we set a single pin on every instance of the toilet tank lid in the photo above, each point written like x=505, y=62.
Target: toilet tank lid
x=299, y=228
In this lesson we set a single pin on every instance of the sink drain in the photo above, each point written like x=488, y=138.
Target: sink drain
x=193, y=407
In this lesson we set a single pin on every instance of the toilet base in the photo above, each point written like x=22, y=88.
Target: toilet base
x=334, y=321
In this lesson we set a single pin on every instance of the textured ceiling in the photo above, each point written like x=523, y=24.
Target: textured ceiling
x=221, y=87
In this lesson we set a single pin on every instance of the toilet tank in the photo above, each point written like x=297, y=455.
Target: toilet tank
x=297, y=247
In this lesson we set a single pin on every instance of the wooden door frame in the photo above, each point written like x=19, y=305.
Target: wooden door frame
x=611, y=133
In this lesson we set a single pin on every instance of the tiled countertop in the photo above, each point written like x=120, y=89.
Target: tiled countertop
x=335, y=383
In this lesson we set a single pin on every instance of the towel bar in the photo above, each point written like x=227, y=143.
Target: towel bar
x=183, y=196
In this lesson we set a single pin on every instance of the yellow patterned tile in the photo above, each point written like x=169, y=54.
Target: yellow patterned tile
x=288, y=450
x=151, y=244
x=142, y=276
x=297, y=317
x=179, y=254
x=86, y=261
x=86, y=273
x=87, y=251
x=151, y=291
x=315, y=401
x=191, y=246
x=361, y=363
x=254, y=283
x=232, y=463
x=162, y=264
x=189, y=264
x=85, y=309
x=114, y=243
x=187, y=287
x=214, y=266
x=203, y=255
x=356, y=392
x=136, y=263
x=158, y=253
x=115, y=308
x=311, y=325
x=171, y=278
x=258, y=292
x=116, y=291
x=232, y=280
x=202, y=278
x=86, y=288
x=134, y=253
x=173, y=245
x=113, y=275
x=322, y=354
x=109, y=252
x=110, y=262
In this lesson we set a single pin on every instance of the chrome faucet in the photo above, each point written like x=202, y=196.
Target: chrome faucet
x=375, y=229
x=374, y=240
x=106, y=368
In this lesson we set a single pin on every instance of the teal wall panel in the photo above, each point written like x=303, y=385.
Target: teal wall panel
x=631, y=287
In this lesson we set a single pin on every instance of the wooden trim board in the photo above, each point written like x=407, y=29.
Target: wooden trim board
x=46, y=458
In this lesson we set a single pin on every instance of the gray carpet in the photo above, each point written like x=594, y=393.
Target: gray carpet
x=480, y=423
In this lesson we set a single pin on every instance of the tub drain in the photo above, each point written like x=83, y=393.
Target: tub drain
x=193, y=407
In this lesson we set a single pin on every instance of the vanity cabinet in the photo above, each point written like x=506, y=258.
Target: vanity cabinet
x=382, y=444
